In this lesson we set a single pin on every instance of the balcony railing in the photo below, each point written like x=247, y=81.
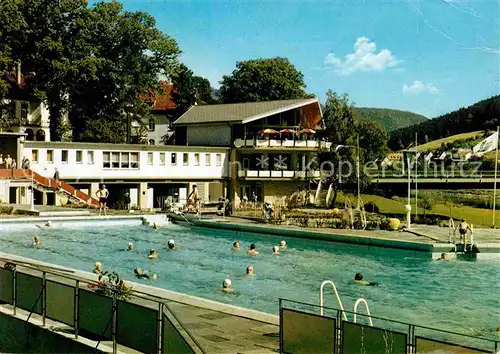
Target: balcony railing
x=278, y=174
x=272, y=143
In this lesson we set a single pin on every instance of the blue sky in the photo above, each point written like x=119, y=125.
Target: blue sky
x=424, y=56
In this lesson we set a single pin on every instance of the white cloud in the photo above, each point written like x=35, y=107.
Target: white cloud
x=418, y=87
x=364, y=58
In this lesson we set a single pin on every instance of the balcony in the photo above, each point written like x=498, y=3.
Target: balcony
x=281, y=174
x=275, y=143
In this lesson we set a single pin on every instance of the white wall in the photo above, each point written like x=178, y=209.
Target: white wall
x=85, y=170
x=211, y=135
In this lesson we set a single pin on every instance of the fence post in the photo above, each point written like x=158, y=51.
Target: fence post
x=113, y=328
x=281, y=325
x=75, y=306
x=44, y=298
x=14, y=289
x=159, y=325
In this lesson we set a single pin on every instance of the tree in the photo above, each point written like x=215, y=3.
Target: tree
x=263, y=80
x=339, y=119
x=204, y=91
x=11, y=21
x=372, y=140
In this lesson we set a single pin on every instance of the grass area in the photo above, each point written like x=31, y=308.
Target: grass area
x=475, y=216
x=436, y=144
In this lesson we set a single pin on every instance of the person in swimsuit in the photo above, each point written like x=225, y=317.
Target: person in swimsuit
x=102, y=194
x=152, y=254
x=358, y=279
x=463, y=227
x=236, y=245
x=36, y=241
x=276, y=251
x=226, y=286
x=139, y=273
x=253, y=250
x=196, y=198
x=250, y=270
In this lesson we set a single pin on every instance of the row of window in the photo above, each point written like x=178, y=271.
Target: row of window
x=64, y=156
x=131, y=159
x=128, y=160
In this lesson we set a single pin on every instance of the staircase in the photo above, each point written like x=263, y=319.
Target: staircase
x=48, y=184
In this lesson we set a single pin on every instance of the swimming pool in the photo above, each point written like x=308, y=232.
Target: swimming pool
x=453, y=295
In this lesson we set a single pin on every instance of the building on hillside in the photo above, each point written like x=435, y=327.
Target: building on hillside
x=21, y=112
x=273, y=144
x=157, y=129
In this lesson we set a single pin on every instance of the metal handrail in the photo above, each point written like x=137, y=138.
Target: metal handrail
x=63, y=273
x=336, y=294
x=362, y=301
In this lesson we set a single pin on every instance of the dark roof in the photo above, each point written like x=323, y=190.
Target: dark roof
x=240, y=112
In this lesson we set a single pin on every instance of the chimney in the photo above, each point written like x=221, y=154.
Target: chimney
x=19, y=73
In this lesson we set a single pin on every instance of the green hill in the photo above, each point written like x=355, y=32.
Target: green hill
x=390, y=119
x=481, y=116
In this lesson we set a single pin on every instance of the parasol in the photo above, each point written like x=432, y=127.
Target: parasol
x=308, y=131
x=287, y=131
x=268, y=131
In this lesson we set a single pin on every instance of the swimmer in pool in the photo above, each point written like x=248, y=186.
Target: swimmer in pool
x=152, y=254
x=282, y=244
x=97, y=268
x=155, y=226
x=48, y=224
x=130, y=246
x=36, y=241
x=250, y=270
x=252, y=251
x=171, y=245
x=139, y=273
x=443, y=257
x=358, y=278
x=226, y=286
x=236, y=245
x=276, y=250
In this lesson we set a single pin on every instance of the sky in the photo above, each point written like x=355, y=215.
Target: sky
x=424, y=56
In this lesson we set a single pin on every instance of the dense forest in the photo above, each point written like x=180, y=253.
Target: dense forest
x=483, y=115
x=390, y=119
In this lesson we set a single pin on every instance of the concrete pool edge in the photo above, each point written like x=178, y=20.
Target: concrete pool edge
x=168, y=295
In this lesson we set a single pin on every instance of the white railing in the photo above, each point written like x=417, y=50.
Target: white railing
x=362, y=301
x=272, y=143
x=278, y=174
x=321, y=290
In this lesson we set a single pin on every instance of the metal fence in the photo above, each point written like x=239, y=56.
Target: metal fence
x=303, y=330
x=143, y=322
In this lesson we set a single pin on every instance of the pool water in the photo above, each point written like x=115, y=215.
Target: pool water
x=454, y=295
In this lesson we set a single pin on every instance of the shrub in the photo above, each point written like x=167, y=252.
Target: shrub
x=371, y=207
x=6, y=209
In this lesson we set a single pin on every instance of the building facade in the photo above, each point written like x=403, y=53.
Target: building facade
x=273, y=144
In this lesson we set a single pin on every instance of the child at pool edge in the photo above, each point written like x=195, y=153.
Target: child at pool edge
x=358, y=278
x=36, y=241
x=252, y=251
x=226, y=286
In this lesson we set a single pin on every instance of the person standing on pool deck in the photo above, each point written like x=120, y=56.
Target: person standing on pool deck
x=102, y=194
x=462, y=229
x=196, y=198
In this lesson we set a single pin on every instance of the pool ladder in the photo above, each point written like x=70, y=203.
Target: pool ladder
x=356, y=304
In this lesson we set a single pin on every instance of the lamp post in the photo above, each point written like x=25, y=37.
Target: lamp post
x=337, y=148
x=32, y=192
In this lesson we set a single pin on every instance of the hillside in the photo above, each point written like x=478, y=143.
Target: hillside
x=480, y=116
x=474, y=137
x=390, y=119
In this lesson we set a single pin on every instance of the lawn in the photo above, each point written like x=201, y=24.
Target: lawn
x=436, y=144
x=475, y=216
